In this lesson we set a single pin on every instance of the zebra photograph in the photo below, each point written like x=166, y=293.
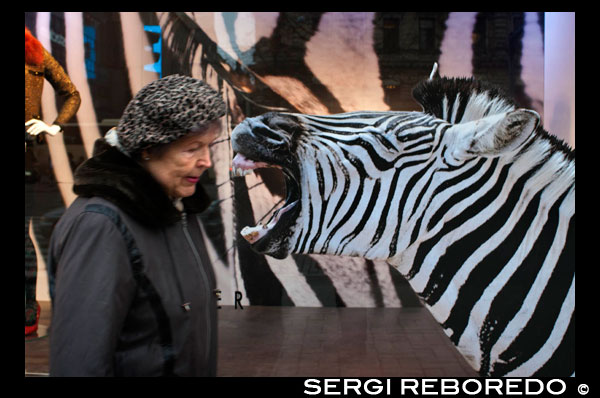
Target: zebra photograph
x=348, y=174
x=471, y=199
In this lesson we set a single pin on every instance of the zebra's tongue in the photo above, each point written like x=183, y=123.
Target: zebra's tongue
x=241, y=165
x=253, y=234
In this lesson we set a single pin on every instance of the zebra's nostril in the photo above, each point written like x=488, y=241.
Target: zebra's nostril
x=268, y=134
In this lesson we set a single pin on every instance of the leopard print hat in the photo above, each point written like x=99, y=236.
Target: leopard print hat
x=166, y=110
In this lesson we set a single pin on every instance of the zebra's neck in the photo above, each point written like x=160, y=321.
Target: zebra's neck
x=406, y=206
x=537, y=176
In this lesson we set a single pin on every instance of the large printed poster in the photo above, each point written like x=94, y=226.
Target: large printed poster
x=313, y=63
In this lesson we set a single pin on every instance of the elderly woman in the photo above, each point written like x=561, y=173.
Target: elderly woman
x=133, y=291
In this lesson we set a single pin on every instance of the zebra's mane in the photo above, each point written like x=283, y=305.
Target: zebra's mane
x=556, y=143
x=460, y=100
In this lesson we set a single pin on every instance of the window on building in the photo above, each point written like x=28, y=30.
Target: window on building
x=426, y=33
x=391, y=34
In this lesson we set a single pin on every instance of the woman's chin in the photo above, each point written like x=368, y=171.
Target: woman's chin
x=182, y=191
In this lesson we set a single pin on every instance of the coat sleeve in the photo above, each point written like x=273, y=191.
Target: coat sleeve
x=63, y=86
x=93, y=292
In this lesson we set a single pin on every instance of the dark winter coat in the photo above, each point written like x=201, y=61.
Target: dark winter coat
x=132, y=288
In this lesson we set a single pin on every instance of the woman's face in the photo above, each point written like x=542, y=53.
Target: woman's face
x=179, y=165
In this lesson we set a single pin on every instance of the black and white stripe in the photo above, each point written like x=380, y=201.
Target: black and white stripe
x=367, y=157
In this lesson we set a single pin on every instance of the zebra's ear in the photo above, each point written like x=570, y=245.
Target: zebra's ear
x=494, y=135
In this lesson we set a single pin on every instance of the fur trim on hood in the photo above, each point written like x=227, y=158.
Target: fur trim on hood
x=34, y=51
x=114, y=176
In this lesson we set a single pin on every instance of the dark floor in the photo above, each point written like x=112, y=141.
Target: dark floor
x=319, y=342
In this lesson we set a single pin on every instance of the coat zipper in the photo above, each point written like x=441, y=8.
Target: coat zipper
x=200, y=264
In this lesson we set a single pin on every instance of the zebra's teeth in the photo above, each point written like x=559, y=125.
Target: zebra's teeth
x=238, y=172
x=242, y=166
x=252, y=234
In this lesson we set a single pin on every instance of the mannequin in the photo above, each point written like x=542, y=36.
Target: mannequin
x=40, y=65
x=37, y=126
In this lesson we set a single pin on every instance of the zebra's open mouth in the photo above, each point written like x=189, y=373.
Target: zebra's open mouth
x=267, y=238
x=270, y=141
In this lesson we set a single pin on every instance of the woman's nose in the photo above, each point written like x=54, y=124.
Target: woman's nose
x=204, y=159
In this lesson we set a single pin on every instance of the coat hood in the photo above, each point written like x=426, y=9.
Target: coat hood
x=116, y=177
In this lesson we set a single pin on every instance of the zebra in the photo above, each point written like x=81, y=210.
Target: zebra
x=470, y=199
